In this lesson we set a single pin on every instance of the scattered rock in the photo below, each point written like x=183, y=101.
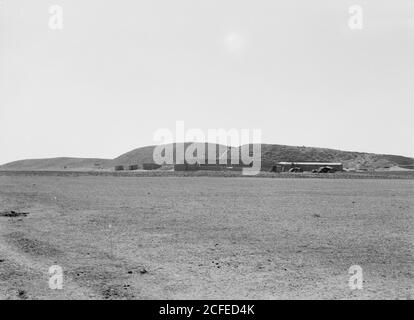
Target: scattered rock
x=316, y=215
x=143, y=271
x=114, y=292
x=12, y=214
x=22, y=294
x=130, y=272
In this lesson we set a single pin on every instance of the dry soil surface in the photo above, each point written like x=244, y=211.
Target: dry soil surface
x=206, y=237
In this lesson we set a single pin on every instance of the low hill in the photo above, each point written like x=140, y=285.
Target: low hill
x=271, y=154
x=57, y=164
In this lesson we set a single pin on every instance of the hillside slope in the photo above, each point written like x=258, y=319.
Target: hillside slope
x=145, y=154
x=274, y=153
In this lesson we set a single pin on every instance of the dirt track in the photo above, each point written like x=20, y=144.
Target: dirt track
x=200, y=237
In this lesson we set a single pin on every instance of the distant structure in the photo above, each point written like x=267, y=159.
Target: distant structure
x=186, y=167
x=150, y=166
x=306, y=166
x=119, y=168
x=209, y=167
x=279, y=167
x=133, y=167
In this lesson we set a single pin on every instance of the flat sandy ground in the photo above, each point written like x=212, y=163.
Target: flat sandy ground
x=206, y=237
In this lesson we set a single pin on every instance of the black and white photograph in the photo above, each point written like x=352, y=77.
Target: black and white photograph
x=206, y=150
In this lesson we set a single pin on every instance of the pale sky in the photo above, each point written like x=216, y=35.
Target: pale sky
x=120, y=70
